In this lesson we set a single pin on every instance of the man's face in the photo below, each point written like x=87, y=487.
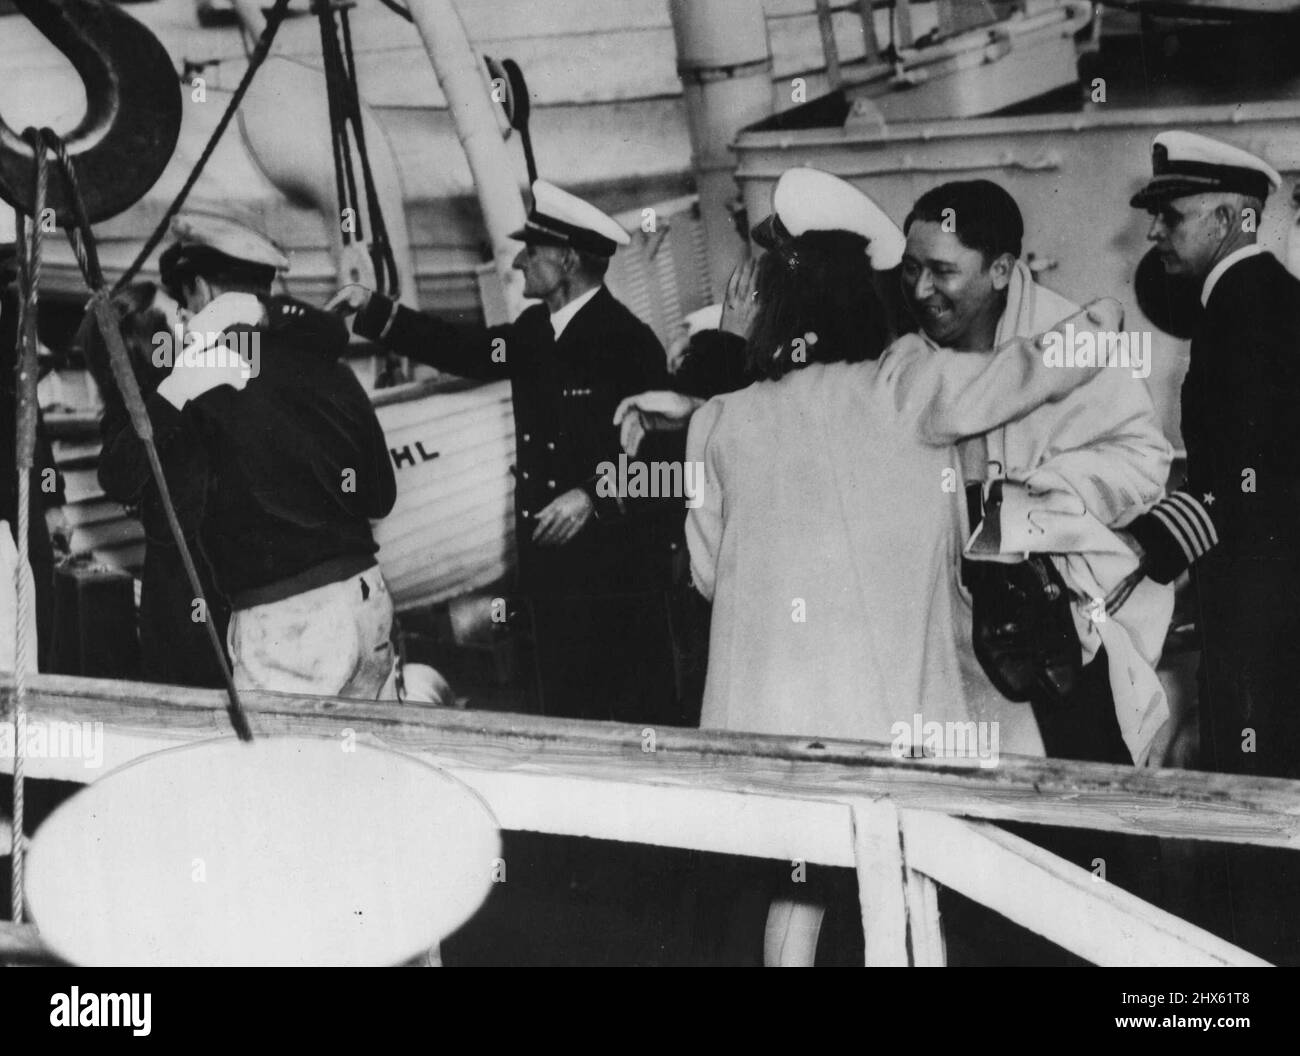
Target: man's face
x=1187, y=234
x=543, y=268
x=946, y=285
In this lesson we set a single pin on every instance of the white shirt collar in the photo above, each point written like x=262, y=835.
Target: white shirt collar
x=561, y=319
x=1217, y=272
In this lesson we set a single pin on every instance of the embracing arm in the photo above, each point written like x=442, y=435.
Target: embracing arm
x=959, y=394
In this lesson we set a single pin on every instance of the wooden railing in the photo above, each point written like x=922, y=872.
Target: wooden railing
x=905, y=825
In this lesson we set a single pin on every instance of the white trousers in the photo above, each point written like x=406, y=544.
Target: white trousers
x=331, y=641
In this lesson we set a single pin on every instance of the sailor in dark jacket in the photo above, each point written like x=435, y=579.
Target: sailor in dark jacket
x=293, y=467
x=593, y=568
x=1236, y=522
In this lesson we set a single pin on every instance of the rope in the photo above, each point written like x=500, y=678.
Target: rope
x=339, y=63
x=82, y=239
x=29, y=272
x=330, y=60
x=381, y=251
x=397, y=9
x=273, y=20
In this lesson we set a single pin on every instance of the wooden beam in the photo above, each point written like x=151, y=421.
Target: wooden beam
x=925, y=927
x=831, y=51
x=1058, y=900
x=870, y=43
x=511, y=755
x=878, y=858
x=903, y=35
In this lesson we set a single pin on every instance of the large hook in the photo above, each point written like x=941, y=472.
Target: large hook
x=133, y=111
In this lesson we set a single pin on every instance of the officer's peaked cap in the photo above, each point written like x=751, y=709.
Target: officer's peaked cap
x=559, y=218
x=1186, y=163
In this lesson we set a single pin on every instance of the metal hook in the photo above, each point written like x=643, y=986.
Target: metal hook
x=133, y=110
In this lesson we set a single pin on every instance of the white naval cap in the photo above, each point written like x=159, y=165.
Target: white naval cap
x=205, y=238
x=1186, y=163
x=229, y=237
x=807, y=199
x=559, y=218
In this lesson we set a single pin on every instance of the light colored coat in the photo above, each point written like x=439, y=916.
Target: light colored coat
x=1100, y=454
x=828, y=536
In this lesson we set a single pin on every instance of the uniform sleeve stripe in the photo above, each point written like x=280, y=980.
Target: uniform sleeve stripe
x=1175, y=529
x=1199, y=514
x=1194, y=538
x=1197, y=537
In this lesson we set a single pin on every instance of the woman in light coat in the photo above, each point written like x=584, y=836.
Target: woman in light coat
x=828, y=531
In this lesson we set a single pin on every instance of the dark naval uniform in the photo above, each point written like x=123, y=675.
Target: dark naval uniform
x=1238, y=517
x=1236, y=524
x=600, y=620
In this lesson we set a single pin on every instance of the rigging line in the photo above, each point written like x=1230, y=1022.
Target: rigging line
x=29, y=272
x=397, y=9
x=381, y=251
x=273, y=20
x=82, y=238
x=344, y=178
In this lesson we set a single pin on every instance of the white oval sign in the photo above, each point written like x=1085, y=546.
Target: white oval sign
x=285, y=851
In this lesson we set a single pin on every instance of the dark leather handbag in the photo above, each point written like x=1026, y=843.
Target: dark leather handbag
x=1024, y=633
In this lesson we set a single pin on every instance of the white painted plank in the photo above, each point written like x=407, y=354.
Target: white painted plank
x=1056, y=899
x=878, y=857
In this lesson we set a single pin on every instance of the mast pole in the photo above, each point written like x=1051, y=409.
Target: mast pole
x=460, y=76
x=725, y=66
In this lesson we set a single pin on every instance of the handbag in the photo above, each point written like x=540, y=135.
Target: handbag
x=1023, y=627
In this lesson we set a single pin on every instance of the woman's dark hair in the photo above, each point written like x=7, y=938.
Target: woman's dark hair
x=816, y=304
x=140, y=323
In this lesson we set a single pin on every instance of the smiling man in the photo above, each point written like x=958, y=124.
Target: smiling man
x=964, y=283
x=593, y=575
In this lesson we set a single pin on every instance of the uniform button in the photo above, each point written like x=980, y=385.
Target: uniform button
x=526, y=474
x=527, y=437
x=551, y=484
x=525, y=515
x=550, y=446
